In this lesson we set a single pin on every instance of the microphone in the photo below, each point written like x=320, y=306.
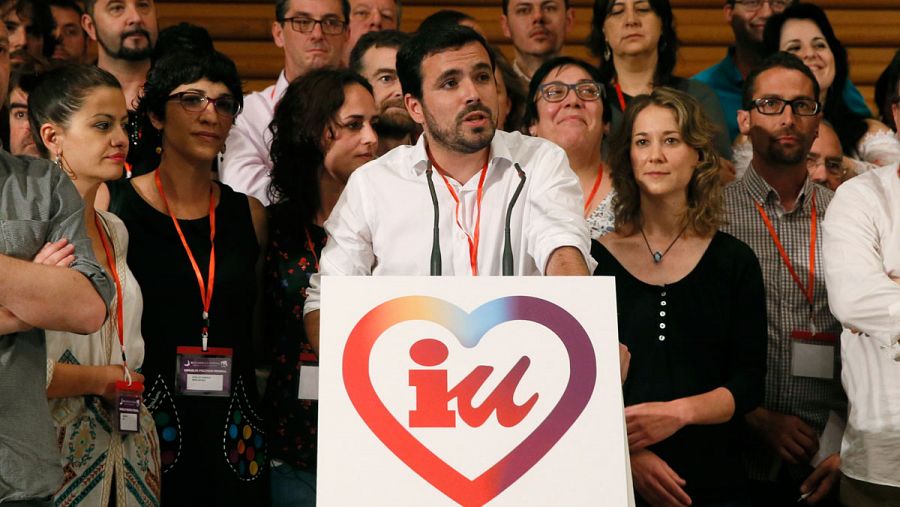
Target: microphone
x=436, y=240
x=507, y=234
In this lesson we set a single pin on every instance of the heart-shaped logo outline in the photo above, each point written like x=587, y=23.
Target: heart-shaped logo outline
x=469, y=329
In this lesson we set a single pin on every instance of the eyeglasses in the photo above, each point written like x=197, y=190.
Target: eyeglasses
x=330, y=26
x=557, y=91
x=775, y=105
x=755, y=5
x=833, y=165
x=195, y=102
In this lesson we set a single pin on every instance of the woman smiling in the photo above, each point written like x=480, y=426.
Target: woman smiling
x=566, y=107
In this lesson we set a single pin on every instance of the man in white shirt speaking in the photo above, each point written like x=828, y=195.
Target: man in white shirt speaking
x=465, y=200
x=861, y=250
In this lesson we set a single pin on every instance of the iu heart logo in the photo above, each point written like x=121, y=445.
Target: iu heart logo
x=469, y=329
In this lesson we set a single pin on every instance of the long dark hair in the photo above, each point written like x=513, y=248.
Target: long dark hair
x=667, y=49
x=308, y=108
x=849, y=125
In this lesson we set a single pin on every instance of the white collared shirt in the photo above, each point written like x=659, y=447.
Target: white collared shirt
x=383, y=222
x=245, y=163
x=861, y=251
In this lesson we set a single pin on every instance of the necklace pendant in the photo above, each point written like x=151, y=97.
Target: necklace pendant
x=657, y=257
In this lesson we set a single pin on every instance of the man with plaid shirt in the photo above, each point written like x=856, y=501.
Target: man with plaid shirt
x=777, y=210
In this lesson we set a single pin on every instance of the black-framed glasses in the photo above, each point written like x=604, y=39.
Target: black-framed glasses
x=557, y=91
x=196, y=102
x=304, y=24
x=775, y=105
x=833, y=165
x=755, y=5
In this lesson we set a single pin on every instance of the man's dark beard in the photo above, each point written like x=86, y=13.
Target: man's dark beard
x=397, y=121
x=455, y=139
x=779, y=155
x=129, y=54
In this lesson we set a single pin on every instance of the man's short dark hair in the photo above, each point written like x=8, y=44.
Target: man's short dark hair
x=444, y=17
x=282, y=6
x=72, y=5
x=379, y=39
x=423, y=45
x=779, y=60
x=506, y=5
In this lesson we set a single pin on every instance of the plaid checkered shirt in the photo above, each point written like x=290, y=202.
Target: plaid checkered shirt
x=808, y=398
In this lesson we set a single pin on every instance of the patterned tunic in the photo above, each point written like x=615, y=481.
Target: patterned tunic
x=98, y=461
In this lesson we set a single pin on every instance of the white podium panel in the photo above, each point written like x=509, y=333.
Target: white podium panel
x=470, y=391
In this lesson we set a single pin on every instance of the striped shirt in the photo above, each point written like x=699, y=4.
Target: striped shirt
x=787, y=308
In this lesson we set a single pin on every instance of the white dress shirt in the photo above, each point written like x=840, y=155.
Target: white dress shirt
x=245, y=162
x=383, y=222
x=861, y=250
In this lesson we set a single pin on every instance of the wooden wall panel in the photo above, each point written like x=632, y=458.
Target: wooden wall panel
x=242, y=29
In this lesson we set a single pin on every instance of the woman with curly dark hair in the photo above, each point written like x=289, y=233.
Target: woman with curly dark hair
x=195, y=247
x=691, y=307
x=636, y=43
x=321, y=132
x=804, y=30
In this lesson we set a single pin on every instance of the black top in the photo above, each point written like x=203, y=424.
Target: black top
x=290, y=263
x=213, y=450
x=143, y=139
x=705, y=331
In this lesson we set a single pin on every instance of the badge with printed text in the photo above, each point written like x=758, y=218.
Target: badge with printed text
x=128, y=406
x=199, y=373
x=813, y=354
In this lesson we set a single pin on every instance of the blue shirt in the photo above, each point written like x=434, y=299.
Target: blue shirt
x=726, y=80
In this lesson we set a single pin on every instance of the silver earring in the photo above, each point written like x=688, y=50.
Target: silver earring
x=607, y=52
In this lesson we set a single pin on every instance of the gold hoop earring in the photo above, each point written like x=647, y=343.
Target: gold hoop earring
x=62, y=167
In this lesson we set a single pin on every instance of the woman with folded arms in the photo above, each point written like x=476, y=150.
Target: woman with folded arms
x=691, y=307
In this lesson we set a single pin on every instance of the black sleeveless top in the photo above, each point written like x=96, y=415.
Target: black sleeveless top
x=192, y=429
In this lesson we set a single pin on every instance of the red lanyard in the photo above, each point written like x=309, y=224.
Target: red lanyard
x=312, y=247
x=473, y=241
x=590, y=197
x=120, y=305
x=206, y=291
x=808, y=290
x=621, y=97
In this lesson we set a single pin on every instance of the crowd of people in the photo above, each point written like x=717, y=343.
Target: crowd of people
x=162, y=237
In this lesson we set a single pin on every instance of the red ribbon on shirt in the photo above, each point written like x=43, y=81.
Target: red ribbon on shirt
x=474, y=238
x=808, y=290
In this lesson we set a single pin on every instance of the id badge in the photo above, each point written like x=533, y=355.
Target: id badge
x=128, y=406
x=308, y=379
x=199, y=373
x=812, y=354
